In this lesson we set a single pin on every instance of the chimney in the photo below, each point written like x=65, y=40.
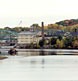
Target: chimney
x=42, y=30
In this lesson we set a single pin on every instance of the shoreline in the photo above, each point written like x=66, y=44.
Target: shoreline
x=2, y=58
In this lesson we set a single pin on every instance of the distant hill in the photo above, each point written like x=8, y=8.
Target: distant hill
x=70, y=22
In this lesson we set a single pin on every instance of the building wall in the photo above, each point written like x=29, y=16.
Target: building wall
x=25, y=39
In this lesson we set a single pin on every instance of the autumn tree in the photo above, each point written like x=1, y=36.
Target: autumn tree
x=45, y=27
x=50, y=26
x=60, y=27
x=58, y=43
x=55, y=26
x=75, y=44
x=62, y=44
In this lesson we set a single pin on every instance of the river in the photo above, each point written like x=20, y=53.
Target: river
x=26, y=66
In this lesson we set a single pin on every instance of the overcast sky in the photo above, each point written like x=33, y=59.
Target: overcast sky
x=36, y=11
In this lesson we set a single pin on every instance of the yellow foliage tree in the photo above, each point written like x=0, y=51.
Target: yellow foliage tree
x=61, y=44
x=45, y=27
x=75, y=44
x=55, y=26
x=58, y=43
x=50, y=26
x=61, y=27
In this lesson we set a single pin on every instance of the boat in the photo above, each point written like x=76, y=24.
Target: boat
x=12, y=51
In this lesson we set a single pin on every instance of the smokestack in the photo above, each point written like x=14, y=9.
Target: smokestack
x=42, y=30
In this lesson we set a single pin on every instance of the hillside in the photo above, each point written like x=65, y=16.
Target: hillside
x=70, y=22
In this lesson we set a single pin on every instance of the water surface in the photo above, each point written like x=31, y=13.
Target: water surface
x=24, y=67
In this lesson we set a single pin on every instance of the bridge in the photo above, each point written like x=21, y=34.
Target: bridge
x=6, y=34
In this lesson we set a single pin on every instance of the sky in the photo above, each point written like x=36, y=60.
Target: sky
x=36, y=11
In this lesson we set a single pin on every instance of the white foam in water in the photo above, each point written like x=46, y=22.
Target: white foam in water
x=39, y=68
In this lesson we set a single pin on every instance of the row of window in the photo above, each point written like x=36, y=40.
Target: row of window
x=24, y=38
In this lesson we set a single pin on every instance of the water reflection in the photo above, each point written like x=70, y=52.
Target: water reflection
x=44, y=53
x=41, y=53
x=43, y=62
x=33, y=61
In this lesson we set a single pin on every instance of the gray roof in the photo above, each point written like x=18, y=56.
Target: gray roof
x=54, y=35
x=28, y=33
x=74, y=34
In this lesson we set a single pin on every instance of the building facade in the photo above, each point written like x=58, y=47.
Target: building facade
x=26, y=38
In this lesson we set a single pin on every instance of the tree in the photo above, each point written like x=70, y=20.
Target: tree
x=7, y=28
x=60, y=38
x=61, y=44
x=45, y=27
x=75, y=44
x=53, y=41
x=68, y=41
x=17, y=29
x=41, y=43
x=35, y=25
x=58, y=43
x=50, y=26
x=60, y=27
x=55, y=26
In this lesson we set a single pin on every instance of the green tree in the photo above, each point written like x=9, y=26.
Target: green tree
x=41, y=43
x=53, y=41
x=68, y=41
x=60, y=38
